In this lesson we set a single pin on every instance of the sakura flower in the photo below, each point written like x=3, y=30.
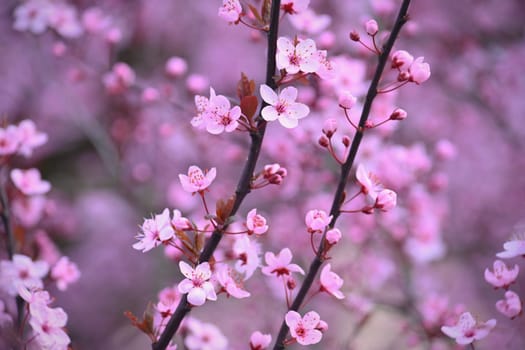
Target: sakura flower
x=228, y=280
x=34, y=296
x=230, y=10
x=29, y=137
x=260, y=341
x=370, y=184
x=247, y=253
x=22, y=271
x=204, y=336
x=371, y=27
x=29, y=182
x=510, y=306
x=9, y=140
x=280, y=265
x=283, y=106
x=316, y=220
x=64, y=19
x=295, y=57
x=294, y=6
x=64, y=273
x=154, y=232
x=256, y=223
x=346, y=99
x=402, y=60
x=304, y=329
x=32, y=16
x=48, y=325
x=467, y=329
x=308, y=21
x=419, y=71
x=512, y=249
x=179, y=222
x=196, y=180
x=333, y=236
x=29, y=210
x=331, y=282
x=502, y=277
x=326, y=67
x=220, y=117
x=386, y=200
x=197, y=284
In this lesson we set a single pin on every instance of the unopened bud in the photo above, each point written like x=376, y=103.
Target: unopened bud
x=323, y=141
x=290, y=283
x=403, y=76
x=354, y=36
x=402, y=60
x=346, y=141
x=333, y=236
x=322, y=326
x=347, y=100
x=175, y=67
x=371, y=27
x=386, y=200
x=398, y=114
x=330, y=127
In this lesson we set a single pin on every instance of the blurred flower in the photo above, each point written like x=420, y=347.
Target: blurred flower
x=260, y=341
x=502, y=277
x=64, y=273
x=513, y=249
x=22, y=271
x=510, y=306
x=467, y=329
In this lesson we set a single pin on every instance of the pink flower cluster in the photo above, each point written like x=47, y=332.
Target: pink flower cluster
x=215, y=114
x=21, y=139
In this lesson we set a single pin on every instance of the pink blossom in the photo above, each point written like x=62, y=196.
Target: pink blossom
x=230, y=10
x=371, y=27
x=94, y=20
x=29, y=137
x=386, y=200
x=294, y=6
x=197, y=83
x=180, y=222
x=9, y=140
x=197, y=284
x=296, y=57
x=445, y=150
x=510, y=306
x=256, y=223
x=333, y=236
x=32, y=16
x=283, y=106
x=29, y=182
x=119, y=79
x=326, y=67
x=310, y=22
x=64, y=19
x=150, y=95
x=346, y=99
x=247, y=253
x=204, y=336
x=402, y=60
x=398, y=114
x=274, y=173
x=280, y=264
x=467, y=329
x=64, y=273
x=331, y=282
x=34, y=296
x=215, y=114
x=196, y=180
x=330, y=127
x=29, y=210
x=317, y=220
x=176, y=67
x=154, y=232
x=22, y=271
x=260, y=341
x=230, y=282
x=48, y=325
x=370, y=184
x=513, y=249
x=304, y=329
x=419, y=71
x=502, y=277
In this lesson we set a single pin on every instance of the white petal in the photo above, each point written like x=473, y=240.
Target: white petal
x=268, y=95
x=269, y=113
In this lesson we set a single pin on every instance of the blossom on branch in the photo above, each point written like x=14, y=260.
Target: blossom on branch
x=298, y=56
x=304, y=329
x=511, y=306
x=196, y=180
x=280, y=265
x=230, y=10
x=197, y=283
x=215, y=115
x=155, y=231
x=467, y=329
x=29, y=182
x=283, y=106
x=502, y=277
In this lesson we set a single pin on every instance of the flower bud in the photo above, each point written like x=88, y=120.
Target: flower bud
x=419, y=71
x=347, y=100
x=333, y=236
x=330, y=127
x=386, y=200
x=354, y=36
x=323, y=141
x=398, y=114
x=175, y=67
x=403, y=76
x=371, y=27
x=402, y=60
x=290, y=283
x=346, y=141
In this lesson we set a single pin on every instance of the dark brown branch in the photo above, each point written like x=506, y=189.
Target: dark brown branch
x=243, y=186
x=335, y=211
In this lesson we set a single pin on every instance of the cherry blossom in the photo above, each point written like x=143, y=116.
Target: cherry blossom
x=214, y=114
x=280, y=265
x=370, y=184
x=64, y=273
x=64, y=19
x=48, y=325
x=317, y=220
x=333, y=236
x=310, y=22
x=386, y=200
x=346, y=99
x=29, y=182
x=260, y=341
x=9, y=140
x=230, y=10
x=34, y=296
x=179, y=222
x=513, y=249
x=419, y=71
x=176, y=67
x=283, y=106
x=204, y=336
x=29, y=137
x=371, y=27
x=228, y=280
x=502, y=277
x=402, y=60
x=247, y=253
x=155, y=231
x=32, y=16
x=304, y=329
x=22, y=271
x=295, y=57
x=256, y=223
x=197, y=284
x=467, y=329
x=196, y=180
x=274, y=173
x=294, y=6
x=511, y=306
x=331, y=282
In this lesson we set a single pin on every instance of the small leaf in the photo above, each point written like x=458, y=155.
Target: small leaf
x=224, y=209
x=245, y=87
x=266, y=9
x=249, y=106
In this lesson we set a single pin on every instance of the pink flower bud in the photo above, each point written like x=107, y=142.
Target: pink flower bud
x=323, y=141
x=330, y=127
x=322, y=326
x=176, y=67
x=346, y=140
x=354, y=36
x=59, y=49
x=445, y=150
x=403, y=76
x=419, y=71
x=402, y=60
x=398, y=114
x=347, y=100
x=150, y=94
x=371, y=27
x=114, y=36
x=291, y=283
x=197, y=83
x=386, y=200
x=333, y=236
x=326, y=40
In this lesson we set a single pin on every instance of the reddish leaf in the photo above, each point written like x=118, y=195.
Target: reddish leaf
x=249, y=106
x=245, y=87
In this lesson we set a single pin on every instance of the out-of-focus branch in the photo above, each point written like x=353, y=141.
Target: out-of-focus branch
x=243, y=186
x=335, y=211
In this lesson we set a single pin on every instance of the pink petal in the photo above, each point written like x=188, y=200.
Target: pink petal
x=197, y=296
x=288, y=94
x=269, y=113
x=186, y=269
x=268, y=95
x=311, y=319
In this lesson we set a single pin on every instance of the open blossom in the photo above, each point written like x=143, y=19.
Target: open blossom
x=9, y=140
x=180, y=222
x=32, y=16
x=155, y=231
x=386, y=200
x=197, y=283
x=260, y=341
x=316, y=220
x=64, y=273
x=513, y=249
x=22, y=271
x=467, y=329
x=510, y=306
x=419, y=71
x=29, y=137
x=331, y=282
x=34, y=296
x=256, y=223
x=29, y=182
x=295, y=57
x=228, y=279
x=247, y=253
x=230, y=10
x=204, y=336
x=283, y=106
x=304, y=329
x=370, y=184
x=48, y=325
x=196, y=180
x=280, y=265
x=502, y=277
x=215, y=114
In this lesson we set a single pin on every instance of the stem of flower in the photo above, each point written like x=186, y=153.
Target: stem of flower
x=243, y=186
x=335, y=211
